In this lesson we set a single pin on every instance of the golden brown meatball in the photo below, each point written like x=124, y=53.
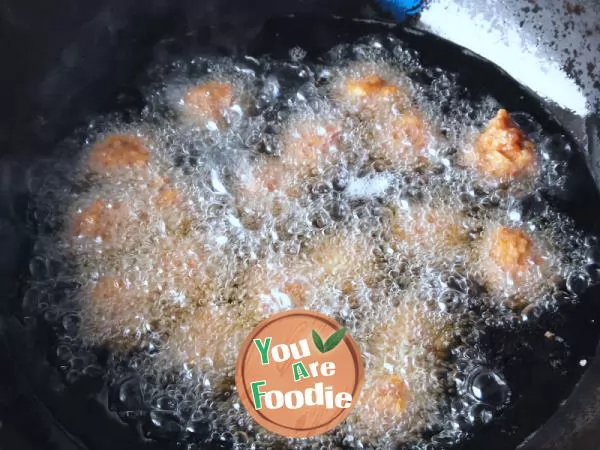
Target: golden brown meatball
x=271, y=177
x=266, y=193
x=366, y=89
x=345, y=259
x=209, y=102
x=386, y=398
x=400, y=140
x=208, y=340
x=408, y=343
x=117, y=312
x=186, y=273
x=311, y=145
x=502, y=151
x=121, y=218
x=511, y=260
x=437, y=229
x=101, y=221
x=512, y=251
x=371, y=90
x=118, y=153
x=336, y=269
x=345, y=269
x=269, y=290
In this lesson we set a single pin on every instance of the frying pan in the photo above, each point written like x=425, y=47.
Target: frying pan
x=68, y=61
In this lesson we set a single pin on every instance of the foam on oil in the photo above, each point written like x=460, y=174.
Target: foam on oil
x=293, y=198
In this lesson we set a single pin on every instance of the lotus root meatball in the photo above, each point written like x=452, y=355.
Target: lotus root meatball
x=208, y=340
x=187, y=272
x=436, y=229
x=103, y=223
x=406, y=346
x=401, y=140
x=266, y=193
x=367, y=89
x=385, y=398
x=310, y=145
x=117, y=154
x=342, y=254
x=266, y=290
x=344, y=264
x=503, y=152
x=208, y=102
x=123, y=217
x=270, y=178
x=117, y=311
x=513, y=262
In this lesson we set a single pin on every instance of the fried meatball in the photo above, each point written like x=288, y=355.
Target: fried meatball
x=270, y=178
x=337, y=269
x=511, y=259
x=367, y=89
x=346, y=267
x=115, y=218
x=430, y=231
x=503, y=152
x=407, y=344
x=387, y=397
x=187, y=272
x=370, y=86
x=208, y=103
x=117, y=311
x=310, y=145
x=207, y=340
x=103, y=223
x=266, y=290
x=118, y=154
x=400, y=140
x=343, y=255
x=266, y=192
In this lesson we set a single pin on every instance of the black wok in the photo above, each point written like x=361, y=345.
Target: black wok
x=68, y=61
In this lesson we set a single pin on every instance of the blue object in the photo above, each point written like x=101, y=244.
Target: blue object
x=401, y=9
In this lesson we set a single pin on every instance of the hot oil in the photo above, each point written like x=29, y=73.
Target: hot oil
x=199, y=268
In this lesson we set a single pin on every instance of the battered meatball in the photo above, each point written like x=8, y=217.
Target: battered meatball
x=269, y=289
x=386, y=398
x=503, y=152
x=187, y=272
x=310, y=145
x=103, y=223
x=117, y=311
x=207, y=103
x=116, y=218
x=265, y=193
x=347, y=269
x=270, y=177
x=513, y=262
x=337, y=269
x=366, y=89
x=400, y=140
x=344, y=256
x=407, y=345
x=431, y=231
x=208, y=340
x=371, y=86
x=119, y=154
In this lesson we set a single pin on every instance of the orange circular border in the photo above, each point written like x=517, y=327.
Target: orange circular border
x=282, y=429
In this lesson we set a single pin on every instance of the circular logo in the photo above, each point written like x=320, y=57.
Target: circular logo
x=299, y=373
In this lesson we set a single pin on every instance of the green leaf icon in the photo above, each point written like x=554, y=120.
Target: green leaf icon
x=318, y=341
x=331, y=343
x=334, y=340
